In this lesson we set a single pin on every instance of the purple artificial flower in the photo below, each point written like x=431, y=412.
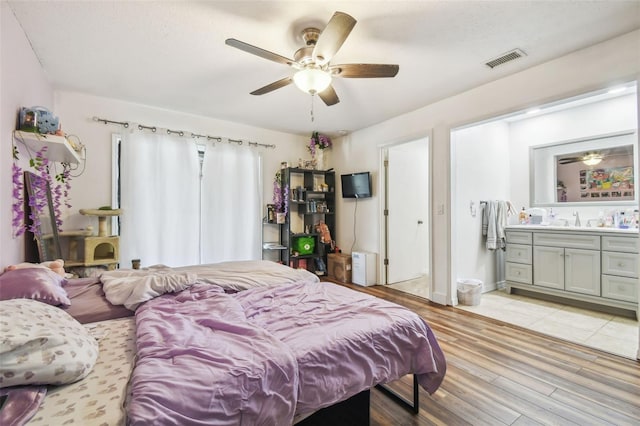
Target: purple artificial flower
x=38, y=200
x=278, y=201
x=318, y=141
x=286, y=198
x=17, y=207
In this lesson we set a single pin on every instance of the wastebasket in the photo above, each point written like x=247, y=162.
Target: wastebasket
x=469, y=291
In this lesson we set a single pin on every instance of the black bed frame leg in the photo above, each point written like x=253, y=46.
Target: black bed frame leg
x=403, y=402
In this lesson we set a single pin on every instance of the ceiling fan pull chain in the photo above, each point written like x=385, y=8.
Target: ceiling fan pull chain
x=312, y=97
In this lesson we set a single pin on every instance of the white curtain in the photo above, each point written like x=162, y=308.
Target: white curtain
x=231, y=210
x=159, y=176
x=174, y=216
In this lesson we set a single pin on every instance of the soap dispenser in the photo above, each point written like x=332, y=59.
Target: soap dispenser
x=522, y=218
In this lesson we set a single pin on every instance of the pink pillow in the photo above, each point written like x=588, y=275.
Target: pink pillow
x=39, y=284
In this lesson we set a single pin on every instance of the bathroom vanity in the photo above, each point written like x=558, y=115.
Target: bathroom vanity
x=596, y=265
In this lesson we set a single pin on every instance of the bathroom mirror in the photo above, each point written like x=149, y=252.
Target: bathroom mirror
x=598, y=170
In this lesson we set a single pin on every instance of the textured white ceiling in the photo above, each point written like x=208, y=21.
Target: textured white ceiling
x=172, y=54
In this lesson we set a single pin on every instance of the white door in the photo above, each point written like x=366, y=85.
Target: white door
x=407, y=191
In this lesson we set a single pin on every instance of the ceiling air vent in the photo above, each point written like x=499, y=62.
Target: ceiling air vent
x=509, y=56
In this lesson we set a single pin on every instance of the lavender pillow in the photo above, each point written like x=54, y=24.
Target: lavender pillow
x=39, y=284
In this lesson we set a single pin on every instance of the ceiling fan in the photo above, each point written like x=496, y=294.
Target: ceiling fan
x=590, y=158
x=314, y=72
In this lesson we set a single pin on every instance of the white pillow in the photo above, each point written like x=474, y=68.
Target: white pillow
x=41, y=344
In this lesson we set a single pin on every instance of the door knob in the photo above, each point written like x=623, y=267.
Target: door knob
x=420, y=222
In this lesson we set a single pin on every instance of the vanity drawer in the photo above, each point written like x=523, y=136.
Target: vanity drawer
x=621, y=264
x=624, y=244
x=515, y=237
x=518, y=253
x=587, y=242
x=620, y=288
x=518, y=272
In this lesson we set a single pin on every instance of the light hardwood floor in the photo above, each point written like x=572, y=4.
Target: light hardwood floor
x=502, y=374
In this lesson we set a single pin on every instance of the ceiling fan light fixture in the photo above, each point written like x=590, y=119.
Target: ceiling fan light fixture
x=312, y=80
x=592, y=159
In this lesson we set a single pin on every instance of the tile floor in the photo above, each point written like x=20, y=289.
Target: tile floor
x=608, y=332
x=417, y=287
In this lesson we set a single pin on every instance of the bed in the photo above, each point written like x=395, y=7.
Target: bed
x=235, y=343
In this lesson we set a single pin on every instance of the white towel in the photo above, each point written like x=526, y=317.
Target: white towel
x=494, y=221
x=501, y=223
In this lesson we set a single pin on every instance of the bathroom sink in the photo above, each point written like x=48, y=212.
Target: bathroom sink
x=571, y=227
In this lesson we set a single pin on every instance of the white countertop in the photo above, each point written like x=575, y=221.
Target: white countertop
x=570, y=228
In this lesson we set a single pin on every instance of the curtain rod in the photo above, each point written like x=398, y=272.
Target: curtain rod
x=126, y=124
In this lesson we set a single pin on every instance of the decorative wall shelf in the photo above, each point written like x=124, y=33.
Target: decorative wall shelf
x=58, y=147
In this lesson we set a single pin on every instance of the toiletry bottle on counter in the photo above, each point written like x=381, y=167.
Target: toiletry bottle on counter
x=622, y=221
x=522, y=217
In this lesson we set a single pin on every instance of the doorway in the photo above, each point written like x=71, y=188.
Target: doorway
x=490, y=160
x=406, y=199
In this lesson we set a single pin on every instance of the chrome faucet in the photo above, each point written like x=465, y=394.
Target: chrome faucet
x=592, y=220
x=577, y=218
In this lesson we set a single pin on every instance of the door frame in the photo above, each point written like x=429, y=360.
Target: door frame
x=382, y=199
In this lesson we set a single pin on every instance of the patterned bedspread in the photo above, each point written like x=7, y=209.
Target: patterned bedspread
x=98, y=398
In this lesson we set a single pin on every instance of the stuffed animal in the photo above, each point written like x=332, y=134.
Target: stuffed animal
x=56, y=266
x=323, y=230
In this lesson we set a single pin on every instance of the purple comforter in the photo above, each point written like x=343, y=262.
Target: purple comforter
x=261, y=356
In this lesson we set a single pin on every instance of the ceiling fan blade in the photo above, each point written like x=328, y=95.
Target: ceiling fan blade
x=273, y=86
x=329, y=96
x=332, y=37
x=364, y=70
x=569, y=160
x=258, y=51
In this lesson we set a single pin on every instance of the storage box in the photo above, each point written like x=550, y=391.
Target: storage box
x=298, y=263
x=363, y=268
x=303, y=245
x=339, y=267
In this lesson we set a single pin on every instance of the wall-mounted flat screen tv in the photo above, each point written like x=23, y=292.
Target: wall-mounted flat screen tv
x=356, y=185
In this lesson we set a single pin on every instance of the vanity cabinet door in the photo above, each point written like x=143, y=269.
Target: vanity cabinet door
x=548, y=267
x=582, y=271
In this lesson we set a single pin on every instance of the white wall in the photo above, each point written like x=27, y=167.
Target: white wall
x=93, y=188
x=22, y=84
x=580, y=72
x=481, y=173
